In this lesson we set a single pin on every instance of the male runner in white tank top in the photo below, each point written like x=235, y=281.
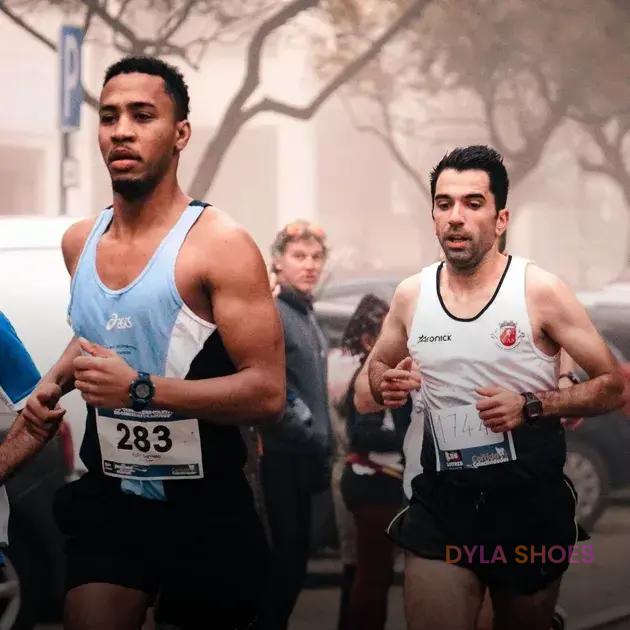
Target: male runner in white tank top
x=485, y=331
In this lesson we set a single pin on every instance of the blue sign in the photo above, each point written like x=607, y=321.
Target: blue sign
x=71, y=91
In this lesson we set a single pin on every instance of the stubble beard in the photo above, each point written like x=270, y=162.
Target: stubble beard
x=468, y=260
x=134, y=189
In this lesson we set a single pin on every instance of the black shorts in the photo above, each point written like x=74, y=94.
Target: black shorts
x=517, y=542
x=201, y=567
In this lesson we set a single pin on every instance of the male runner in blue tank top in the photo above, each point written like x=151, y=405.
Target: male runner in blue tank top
x=177, y=343
x=492, y=507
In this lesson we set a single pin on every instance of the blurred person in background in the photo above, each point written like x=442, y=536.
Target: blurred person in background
x=372, y=478
x=295, y=462
x=341, y=368
x=18, y=379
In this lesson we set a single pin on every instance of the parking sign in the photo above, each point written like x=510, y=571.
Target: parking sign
x=70, y=78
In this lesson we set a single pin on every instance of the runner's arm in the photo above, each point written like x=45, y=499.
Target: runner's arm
x=566, y=321
x=247, y=317
x=390, y=349
x=18, y=378
x=41, y=412
x=62, y=372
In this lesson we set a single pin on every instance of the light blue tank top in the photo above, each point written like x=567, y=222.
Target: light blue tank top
x=146, y=322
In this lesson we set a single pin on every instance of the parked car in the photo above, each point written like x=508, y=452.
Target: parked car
x=34, y=292
x=598, y=451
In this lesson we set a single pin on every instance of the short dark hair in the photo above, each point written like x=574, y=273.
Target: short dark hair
x=174, y=83
x=476, y=157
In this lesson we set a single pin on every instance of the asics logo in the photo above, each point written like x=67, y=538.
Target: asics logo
x=119, y=323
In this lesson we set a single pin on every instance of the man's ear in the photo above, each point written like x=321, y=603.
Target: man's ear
x=182, y=131
x=503, y=218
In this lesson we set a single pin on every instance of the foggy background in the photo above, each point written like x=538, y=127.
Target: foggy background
x=335, y=111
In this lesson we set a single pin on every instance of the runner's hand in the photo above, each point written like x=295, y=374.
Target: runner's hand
x=399, y=382
x=42, y=413
x=500, y=409
x=103, y=377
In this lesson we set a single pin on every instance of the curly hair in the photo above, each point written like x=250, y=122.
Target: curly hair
x=174, y=83
x=367, y=318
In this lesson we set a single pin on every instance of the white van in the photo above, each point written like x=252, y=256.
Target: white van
x=34, y=295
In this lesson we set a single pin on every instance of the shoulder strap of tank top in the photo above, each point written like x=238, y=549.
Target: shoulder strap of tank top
x=178, y=234
x=89, y=247
x=428, y=286
x=512, y=288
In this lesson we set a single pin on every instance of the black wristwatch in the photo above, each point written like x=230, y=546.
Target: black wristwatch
x=572, y=376
x=141, y=391
x=533, y=407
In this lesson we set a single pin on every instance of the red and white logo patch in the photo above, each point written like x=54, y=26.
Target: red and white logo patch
x=507, y=335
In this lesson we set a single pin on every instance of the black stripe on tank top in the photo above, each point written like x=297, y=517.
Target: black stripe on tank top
x=484, y=309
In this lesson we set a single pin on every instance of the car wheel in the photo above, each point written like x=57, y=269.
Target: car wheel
x=586, y=469
x=18, y=591
x=10, y=597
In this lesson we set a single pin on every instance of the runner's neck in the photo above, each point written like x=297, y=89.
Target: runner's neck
x=161, y=207
x=484, y=277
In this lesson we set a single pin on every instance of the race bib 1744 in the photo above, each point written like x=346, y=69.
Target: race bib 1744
x=161, y=449
x=463, y=441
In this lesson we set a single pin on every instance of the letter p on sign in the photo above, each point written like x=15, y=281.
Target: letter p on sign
x=70, y=77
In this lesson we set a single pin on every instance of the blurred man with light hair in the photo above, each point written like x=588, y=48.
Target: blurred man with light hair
x=296, y=452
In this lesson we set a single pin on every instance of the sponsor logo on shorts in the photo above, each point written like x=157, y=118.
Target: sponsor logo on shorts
x=519, y=554
x=507, y=335
x=453, y=459
x=118, y=323
x=488, y=459
x=434, y=338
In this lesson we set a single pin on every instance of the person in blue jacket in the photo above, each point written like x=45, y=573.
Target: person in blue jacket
x=18, y=379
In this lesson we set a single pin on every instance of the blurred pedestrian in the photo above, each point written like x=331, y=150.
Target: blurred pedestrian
x=296, y=452
x=18, y=378
x=341, y=369
x=372, y=478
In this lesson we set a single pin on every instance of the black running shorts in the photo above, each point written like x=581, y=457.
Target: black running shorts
x=516, y=541
x=202, y=567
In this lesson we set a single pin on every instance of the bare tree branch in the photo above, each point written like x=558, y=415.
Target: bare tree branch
x=307, y=111
x=89, y=14
x=29, y=29
x=91, y=100
x=234, y=119
x=114, y=23
x=177, y=20
x=388, y=139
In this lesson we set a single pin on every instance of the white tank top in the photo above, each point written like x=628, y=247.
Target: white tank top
x=457, y=356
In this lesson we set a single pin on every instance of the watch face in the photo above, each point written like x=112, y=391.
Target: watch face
x=142, y=390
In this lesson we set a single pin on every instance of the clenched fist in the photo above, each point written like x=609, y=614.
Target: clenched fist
x=103, y=377
x=42, y=413
x=399, y=382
